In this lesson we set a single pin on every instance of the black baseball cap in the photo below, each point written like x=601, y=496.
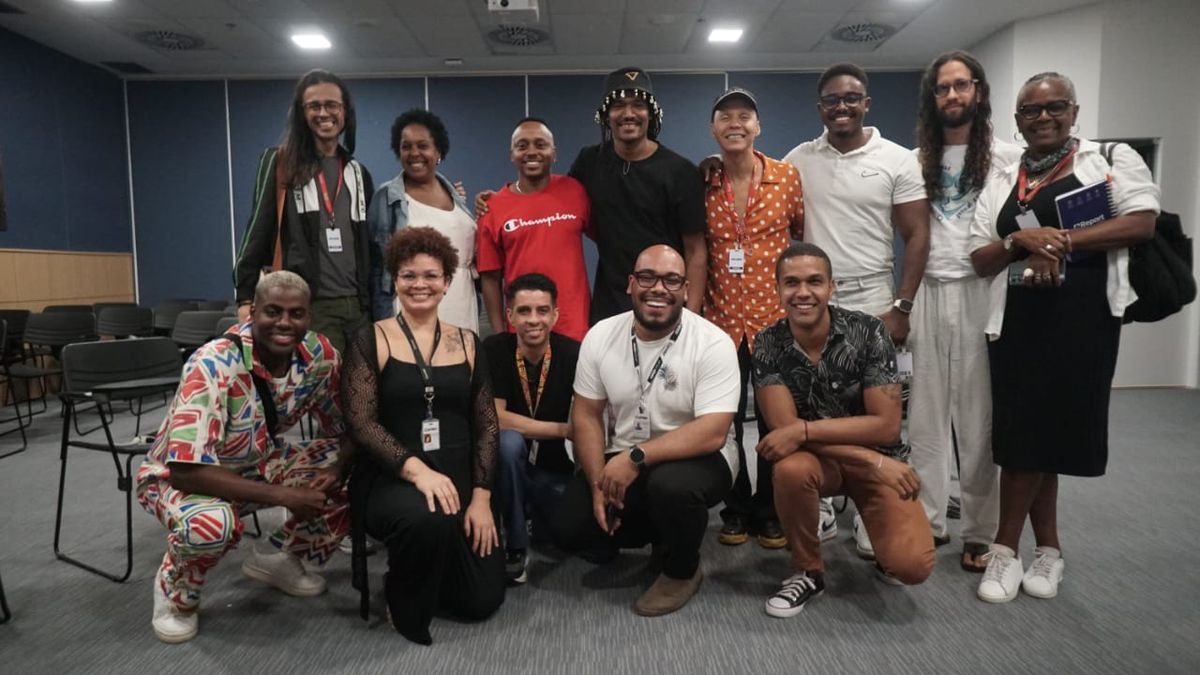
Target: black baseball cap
x=735, y=93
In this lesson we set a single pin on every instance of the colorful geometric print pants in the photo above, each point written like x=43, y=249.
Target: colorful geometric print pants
x=203, y=529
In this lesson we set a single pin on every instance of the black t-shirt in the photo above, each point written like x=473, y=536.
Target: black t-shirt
x=555, y=405
x=635, y=205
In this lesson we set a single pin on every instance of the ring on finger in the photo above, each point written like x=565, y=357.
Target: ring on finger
x=1049, y=247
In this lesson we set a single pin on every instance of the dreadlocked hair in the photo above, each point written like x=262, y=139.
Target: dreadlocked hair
x=298, y=151
x=930, y=140
x=601, y=116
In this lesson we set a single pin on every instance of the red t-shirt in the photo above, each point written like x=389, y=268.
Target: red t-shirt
x=542, y=232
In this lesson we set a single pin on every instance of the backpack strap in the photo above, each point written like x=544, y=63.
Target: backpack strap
x=280, y=198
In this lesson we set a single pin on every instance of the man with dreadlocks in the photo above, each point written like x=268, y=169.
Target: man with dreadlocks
x=952, y=404
x=642, y=193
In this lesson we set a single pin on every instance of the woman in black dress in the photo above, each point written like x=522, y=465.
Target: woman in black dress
x=420, y=412
x=1055, y=323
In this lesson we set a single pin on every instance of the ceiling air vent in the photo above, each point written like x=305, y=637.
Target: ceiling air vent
x=518, y=36
x=169, y=40
x=860, y=33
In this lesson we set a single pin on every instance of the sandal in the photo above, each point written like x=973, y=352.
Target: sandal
x=972, y=557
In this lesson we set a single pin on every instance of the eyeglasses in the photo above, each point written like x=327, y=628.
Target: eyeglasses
x=961, y=86
x=831, y=101
x=412, y=277
x=318, y=106
x=646, y=279
x=1032, y=111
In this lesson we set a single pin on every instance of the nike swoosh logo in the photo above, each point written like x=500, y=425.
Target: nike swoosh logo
x=868, y=174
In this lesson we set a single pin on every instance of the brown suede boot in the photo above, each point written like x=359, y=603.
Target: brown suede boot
x=666, y=595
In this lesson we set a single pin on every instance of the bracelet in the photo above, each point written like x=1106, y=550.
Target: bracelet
x=880, y=464
x=805, y=432
x=1069, y=249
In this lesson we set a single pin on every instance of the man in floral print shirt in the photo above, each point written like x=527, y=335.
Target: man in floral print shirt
x=220, y=449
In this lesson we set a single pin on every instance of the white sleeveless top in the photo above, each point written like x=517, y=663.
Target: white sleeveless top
x=459, y=305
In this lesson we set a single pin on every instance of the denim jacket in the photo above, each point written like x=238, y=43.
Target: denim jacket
x=387, y=214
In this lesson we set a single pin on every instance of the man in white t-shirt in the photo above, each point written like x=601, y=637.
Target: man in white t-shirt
x=860, y=190
x=670, y=381
x=951, y=407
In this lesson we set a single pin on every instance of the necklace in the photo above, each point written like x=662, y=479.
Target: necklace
x=516, y=187
x=1044, y=164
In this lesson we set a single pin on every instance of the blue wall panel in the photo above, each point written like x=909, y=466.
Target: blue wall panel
x=62, y=141
x=687, y=106
x=479, y=113
x=379, y=102
x=257, y=118
x=181, y=190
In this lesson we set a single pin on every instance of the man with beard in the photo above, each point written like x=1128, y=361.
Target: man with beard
x=671, y=379
x=221, y=447
x=952, y=408
x=536, y=224
x=533, y=371
x=827, y=385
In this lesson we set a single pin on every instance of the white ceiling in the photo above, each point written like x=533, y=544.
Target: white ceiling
x=379, y=37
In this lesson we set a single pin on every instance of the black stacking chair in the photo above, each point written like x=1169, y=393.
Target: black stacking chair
x=225, y=323
x=102, y=372
x=125, y=321
x=7, y=382
x=212, y=305
x=193, y=329
x=166, y=313
x=51, y=331
x=67, y=308
x=14, y=349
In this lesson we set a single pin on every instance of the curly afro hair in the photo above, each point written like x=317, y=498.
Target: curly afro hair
x=410, y=242
x=441, y=137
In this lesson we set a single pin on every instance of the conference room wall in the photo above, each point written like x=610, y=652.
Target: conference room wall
x=62, y=144
x=478, y=111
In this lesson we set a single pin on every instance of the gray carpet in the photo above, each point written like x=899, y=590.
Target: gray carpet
x=1128, y=603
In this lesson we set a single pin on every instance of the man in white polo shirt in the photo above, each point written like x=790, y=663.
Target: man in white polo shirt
x=671, y=381
x=860, y=190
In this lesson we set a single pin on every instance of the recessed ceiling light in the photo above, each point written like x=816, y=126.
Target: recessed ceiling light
x=311, y=41
x=91, y=2
x=725, y=35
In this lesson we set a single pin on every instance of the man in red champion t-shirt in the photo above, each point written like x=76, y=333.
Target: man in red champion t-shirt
x=536, y=224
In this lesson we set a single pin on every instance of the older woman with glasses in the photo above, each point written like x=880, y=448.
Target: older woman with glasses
x=1061, y=286
x=423, y=421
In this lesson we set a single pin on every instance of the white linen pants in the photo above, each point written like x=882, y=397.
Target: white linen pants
x=952, y=401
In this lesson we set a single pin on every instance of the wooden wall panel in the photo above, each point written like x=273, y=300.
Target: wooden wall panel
x=31, y=279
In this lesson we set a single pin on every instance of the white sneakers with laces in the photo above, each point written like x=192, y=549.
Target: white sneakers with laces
x=171, y=625
x=862, y=542
x=1002, y=579
x=283, y=571
x=1042, y=578
x=827, y=521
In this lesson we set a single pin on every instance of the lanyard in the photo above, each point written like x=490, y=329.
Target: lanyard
x=643, y=388
x=329, y=201
x=426, y=373
x=739, y=222
x=529, y=404
x=1023, y=199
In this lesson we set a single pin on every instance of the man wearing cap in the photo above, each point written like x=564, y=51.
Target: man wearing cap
x=753, y=210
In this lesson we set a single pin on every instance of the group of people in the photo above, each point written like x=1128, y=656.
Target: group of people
x=614, y=419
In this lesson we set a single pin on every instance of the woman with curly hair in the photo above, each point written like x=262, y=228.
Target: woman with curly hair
x=420, y=413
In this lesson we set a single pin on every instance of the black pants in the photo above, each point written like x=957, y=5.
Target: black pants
x=760, y=506
x=667, y=504
x=430, y=562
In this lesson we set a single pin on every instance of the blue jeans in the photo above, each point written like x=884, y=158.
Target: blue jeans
x=524, y=491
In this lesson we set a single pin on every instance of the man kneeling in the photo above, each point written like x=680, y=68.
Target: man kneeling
x=828, y=390
x=671, y=379
x=219, y=451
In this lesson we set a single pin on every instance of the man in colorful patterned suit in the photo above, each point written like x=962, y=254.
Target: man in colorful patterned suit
x=220, y=449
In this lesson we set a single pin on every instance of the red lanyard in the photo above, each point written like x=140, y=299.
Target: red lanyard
x=739, y=222
x=541, y=379
x=1023, y=199
x=329, y=201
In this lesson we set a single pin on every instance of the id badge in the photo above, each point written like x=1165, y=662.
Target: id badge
x=333, y=239
x=737, y=261
x=641, y=426
x=1028, y=221
x=904, y=364
x=533, y=452
x=431, y=435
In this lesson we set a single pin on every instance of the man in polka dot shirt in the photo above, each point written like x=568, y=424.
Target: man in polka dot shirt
x=753, y=210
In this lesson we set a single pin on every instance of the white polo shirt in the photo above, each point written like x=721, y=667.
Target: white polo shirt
x=699, y=376
x=848, y=200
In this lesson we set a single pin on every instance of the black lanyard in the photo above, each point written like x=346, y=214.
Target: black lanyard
x=642, y=389
x=424, y=368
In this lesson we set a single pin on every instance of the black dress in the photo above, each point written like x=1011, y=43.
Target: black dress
x=1052, y=366
x=430, y=562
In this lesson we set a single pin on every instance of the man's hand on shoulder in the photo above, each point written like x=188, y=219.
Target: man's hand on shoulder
x=481, y=201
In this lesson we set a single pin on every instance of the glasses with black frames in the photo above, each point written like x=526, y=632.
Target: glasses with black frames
x=318, y=106
x=648, y=279
x=831, y=101
x=1032, y=111
x=942, y=90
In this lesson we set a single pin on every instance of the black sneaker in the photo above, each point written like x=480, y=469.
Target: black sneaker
x=793, y=594
x=514, y=567
x=734, y=532
x=771, y=535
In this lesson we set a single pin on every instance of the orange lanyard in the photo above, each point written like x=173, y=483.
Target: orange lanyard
x=1023, y=199
x=529, y=405
x=329, y=201
x=739, y=222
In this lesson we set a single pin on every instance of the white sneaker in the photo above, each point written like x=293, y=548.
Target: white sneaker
x=1002, y=579
x=827, y=529
x=283, y=571
x=1042, y=577
x=170, y=624
x=862, y=542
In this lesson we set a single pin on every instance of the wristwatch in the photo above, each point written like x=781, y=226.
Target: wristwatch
x=903, y=305
x=638, y=456
x=1008, y=244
